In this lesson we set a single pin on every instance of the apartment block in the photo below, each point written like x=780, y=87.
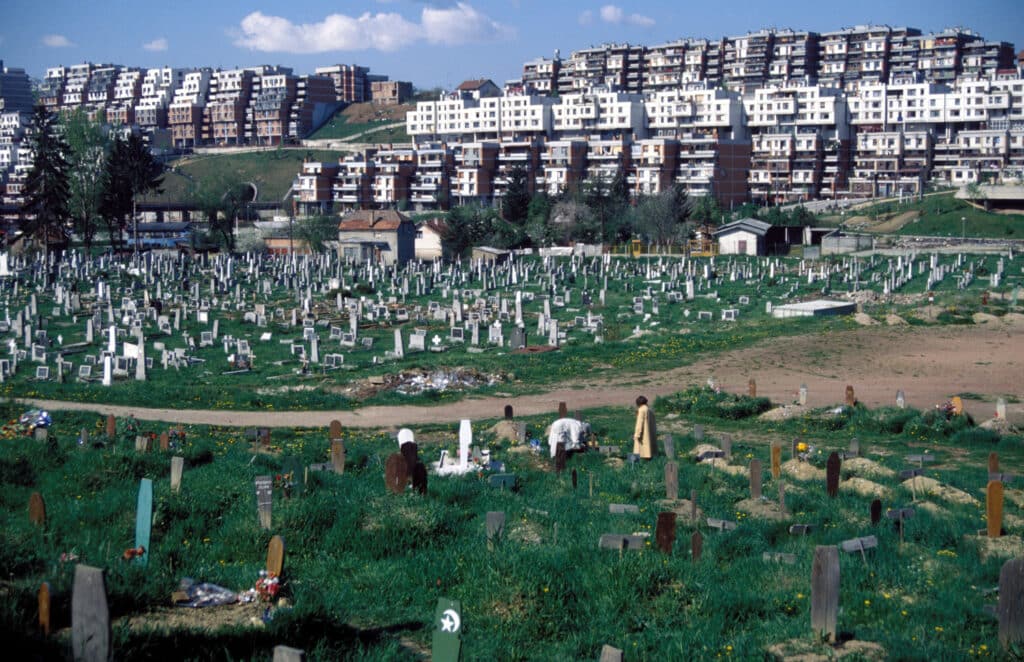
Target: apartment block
x=315, y=103
x=351, y=83
x=390, y=92
x=187, y=109
x=564, y=166
x=15, y=90
x=224, y=116
x=313, y=188
x=353, y=185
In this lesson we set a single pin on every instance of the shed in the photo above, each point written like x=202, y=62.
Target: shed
x=382, y=235
x=750, y=236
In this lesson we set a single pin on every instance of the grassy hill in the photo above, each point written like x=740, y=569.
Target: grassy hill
x=359, y=118
x=940, y=215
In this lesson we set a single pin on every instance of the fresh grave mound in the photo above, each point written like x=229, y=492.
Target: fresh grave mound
x=207, y=619
x=862, y=466
x=930, y=486
x=761, y=509
x=864, y=319
x=894, y=320
x=683, y=508
x=722, y=464
x=803, y=650
x=504, y=430
x=864, y=487
x=983, y=318
x=783, y=413
x=801, y=470
x=1013, y=318
x=1003, y=547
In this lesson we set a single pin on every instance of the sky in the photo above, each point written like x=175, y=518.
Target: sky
x=431, y=43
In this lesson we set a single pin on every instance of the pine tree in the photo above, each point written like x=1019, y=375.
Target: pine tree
x=46, y=189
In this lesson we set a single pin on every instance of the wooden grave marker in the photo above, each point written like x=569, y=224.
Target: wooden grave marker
x=776, y=461
x=859, y=545
x=264, y=499
x=338, y=456
x=43, y=598
x=177, y=467
x=721, y=524
x=334, y=430
x=165, y=440
x=755, y=478
x=611, y=654
x=851, y=398
x=782, y=497
x=419, y=478
x=696, y=546
x=853, y=452
x=563, y=410
x=395, y=475
x=900, y=515
x=825, y=592
x=779, y=557
x=111, y=426
x=560, y=457
x=665, y=532
x=994, y=508
x=575, y=479
x=693, y=506
x=958, y=405
x=144, y=520
x=993, y=462
x=832, y=474
x=801, y=529
x=621, y=542
x=508, y=412
x=671, y=481
x=794, y=449
x=1010, y=609
x=90, y=616
x=726, y=445
x=876, y=511
x=698, y=432
x=446, y=645
x=495, y=522
x=275, y=556
x=411, y=454
x=752, y=388
x=623, y=508
x=37, y=509
x=670, y=447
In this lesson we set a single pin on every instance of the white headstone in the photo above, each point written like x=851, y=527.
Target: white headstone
x=465, y=441
x=107, y=371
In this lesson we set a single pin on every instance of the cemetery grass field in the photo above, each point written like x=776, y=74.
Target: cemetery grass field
x=634, y=343
x=364, y=568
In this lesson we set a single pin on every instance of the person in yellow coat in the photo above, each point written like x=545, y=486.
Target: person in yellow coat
x=645, y=434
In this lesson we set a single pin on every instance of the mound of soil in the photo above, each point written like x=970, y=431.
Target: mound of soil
x=932, y=487
x=864, y=487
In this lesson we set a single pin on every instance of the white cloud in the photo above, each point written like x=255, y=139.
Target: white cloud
x=462, y=24
x=615, y=15
x=159, y=44
x=586, y=17
x=57, y=41
x=385, y=31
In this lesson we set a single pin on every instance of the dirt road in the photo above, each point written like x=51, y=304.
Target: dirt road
x=930, y=364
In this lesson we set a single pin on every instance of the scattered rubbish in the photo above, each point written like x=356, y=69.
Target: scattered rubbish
x=204, y=594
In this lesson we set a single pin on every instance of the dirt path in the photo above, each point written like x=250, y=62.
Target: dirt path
x=930, y=364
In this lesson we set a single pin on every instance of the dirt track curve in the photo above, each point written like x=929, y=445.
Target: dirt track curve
x=930, y=364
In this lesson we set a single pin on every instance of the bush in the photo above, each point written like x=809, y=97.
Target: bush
x=705, y=401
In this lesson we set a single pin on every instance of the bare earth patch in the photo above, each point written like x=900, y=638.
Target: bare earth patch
x=932, y=487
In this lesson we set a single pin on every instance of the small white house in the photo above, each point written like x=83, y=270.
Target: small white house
x=743, y=237
x=429, y=236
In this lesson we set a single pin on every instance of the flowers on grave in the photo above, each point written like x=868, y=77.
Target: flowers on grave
x=133, y=552
x=267, y=586
x=285, y=482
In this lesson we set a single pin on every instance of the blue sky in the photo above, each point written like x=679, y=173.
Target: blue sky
x=430, y=43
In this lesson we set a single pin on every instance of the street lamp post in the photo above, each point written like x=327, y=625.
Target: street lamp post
x=963, y=229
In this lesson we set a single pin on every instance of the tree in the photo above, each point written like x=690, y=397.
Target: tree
x=221, y=198
x=316, y=231
x=468, y=226
x=662, y=217
x=537, y=216
x=608, y=200
x=47, y=187
x=705, y=210
x=130, y=171
x=89, y=143
x=516, y=205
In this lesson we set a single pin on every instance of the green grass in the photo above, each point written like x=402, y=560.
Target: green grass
x=941, y=217
x=338, y=127
x=273, y=171
x=364, y=568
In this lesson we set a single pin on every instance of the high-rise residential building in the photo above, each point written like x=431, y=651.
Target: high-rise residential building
x=351, y=83
x=15, y=90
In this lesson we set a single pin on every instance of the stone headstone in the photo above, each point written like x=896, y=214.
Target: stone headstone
x=395, y=473
x=508, y=412
x=665, y=532
x=43, y=600
x=832, y=474
x=37, y=509
x=671, y=481
x=288, y=654
x=994, y=508
x=776, y=460
x=825, y=592
x=338, y=456
x=623, y=508
x=698, y=433
x=446, y=645
x=275, y=556
x=670, y=447
x=611, y=654
x=803, y=395
x=1001, y=409
x=177, y=466
x=901, y=399
x=495, y=522
x=621, y=542
x=726, y=445
x=264, y=499
x=144, y=519
x=90, y=616
x=465, y=441
x=1010, y=609
x=696, y=545
x=755, y=479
